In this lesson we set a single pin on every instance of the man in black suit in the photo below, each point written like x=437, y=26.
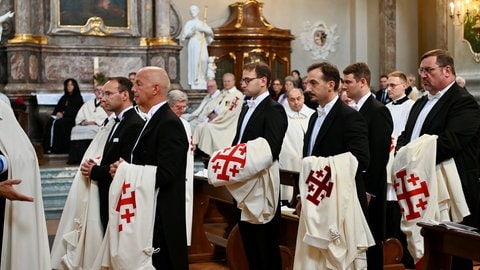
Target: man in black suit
x=335, y=128
x=163, y=143
x=380, y=127
x=118, y=98
x=450, y=112
x=382, y=93
x=265, y=118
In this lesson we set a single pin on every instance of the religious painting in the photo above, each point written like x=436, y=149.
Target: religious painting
x=94, y=17
x=114, y=13
x=471, y=35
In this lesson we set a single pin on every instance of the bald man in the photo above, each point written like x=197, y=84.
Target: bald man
x=163, y=143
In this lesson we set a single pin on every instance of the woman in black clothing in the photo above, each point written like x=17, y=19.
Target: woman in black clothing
x=57, y=132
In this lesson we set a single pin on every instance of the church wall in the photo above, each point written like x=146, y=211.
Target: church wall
x=357, y=28
x=407, y=35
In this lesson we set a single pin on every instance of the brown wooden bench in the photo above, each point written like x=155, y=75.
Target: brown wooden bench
x=441, y=244
x=216, y=241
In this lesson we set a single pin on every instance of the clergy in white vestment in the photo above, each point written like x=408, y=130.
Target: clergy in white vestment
x=89, y=118
x=399, y=108
x=87, y=123
x=177, y=100
x=298, y=115
x=25, y=237
x=205, y=108
x=80, y=232
x=220, y=129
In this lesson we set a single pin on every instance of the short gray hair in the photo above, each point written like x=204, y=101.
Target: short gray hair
x=176, y=96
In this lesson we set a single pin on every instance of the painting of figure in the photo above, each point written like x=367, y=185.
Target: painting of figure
x=77, y=12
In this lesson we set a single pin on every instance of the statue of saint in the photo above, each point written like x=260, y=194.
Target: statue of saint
x=199, y=35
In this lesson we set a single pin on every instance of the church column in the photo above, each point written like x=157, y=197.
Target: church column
x=388, y=35
x=162, y=24
x=163, y=50
x=23, y=18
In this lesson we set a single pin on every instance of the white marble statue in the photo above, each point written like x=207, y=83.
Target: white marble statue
x=3, y=18
x=199, y=35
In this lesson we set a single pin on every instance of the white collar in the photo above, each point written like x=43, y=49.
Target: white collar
x=362, y=100
x=154, y=109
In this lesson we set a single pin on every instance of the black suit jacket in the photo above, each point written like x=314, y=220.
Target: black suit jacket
x=379, y=93
x=163, y=143
x=260, y=241
x=380, y=127
x=455, y=118
x=269, y=121
x=119, y=145
x=343, y=130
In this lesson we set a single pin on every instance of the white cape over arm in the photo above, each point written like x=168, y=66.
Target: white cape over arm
x=250, y=175
x=80, y=233
x=332, y=231
x=426, y=192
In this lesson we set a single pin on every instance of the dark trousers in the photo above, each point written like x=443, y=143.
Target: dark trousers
x=260, y=242
x=376, y=222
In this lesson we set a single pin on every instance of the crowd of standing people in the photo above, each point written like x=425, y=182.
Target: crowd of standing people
x=136, y=175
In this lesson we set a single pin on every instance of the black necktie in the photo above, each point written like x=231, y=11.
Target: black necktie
x=116, y=119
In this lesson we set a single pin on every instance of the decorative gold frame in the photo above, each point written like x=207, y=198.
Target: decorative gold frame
x=471, y=35
x=94, y=26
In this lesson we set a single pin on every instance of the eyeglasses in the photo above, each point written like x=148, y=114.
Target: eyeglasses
x=181, y=107
x=428, y=70
x=108, y=94
x=392, y=85
x=247, y=80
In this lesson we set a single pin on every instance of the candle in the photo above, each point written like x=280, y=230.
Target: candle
x=95, y=65
x=452, y=9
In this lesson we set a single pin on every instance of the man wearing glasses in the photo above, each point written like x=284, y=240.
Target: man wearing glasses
x=452, y=114
x=263, y=117
x=118, y=98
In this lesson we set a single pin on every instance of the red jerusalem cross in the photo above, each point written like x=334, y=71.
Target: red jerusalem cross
x=417, y=204
x=125, y=201
x=234, y=104
x=319, y=185
x=229, y=161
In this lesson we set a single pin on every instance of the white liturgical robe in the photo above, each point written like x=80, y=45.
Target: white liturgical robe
x=25, y=238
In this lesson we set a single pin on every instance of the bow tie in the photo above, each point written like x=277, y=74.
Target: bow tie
x=251, y=103
x=321, y=111
x=116, y=119
x=430, y=96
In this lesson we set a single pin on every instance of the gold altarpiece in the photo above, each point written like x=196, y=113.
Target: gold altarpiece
x=246, y=37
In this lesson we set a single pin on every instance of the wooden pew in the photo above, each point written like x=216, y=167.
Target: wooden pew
x=442, y=243
x=215, y=237
x=213, y=230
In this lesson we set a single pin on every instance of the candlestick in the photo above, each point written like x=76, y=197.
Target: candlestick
x=95, y=65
